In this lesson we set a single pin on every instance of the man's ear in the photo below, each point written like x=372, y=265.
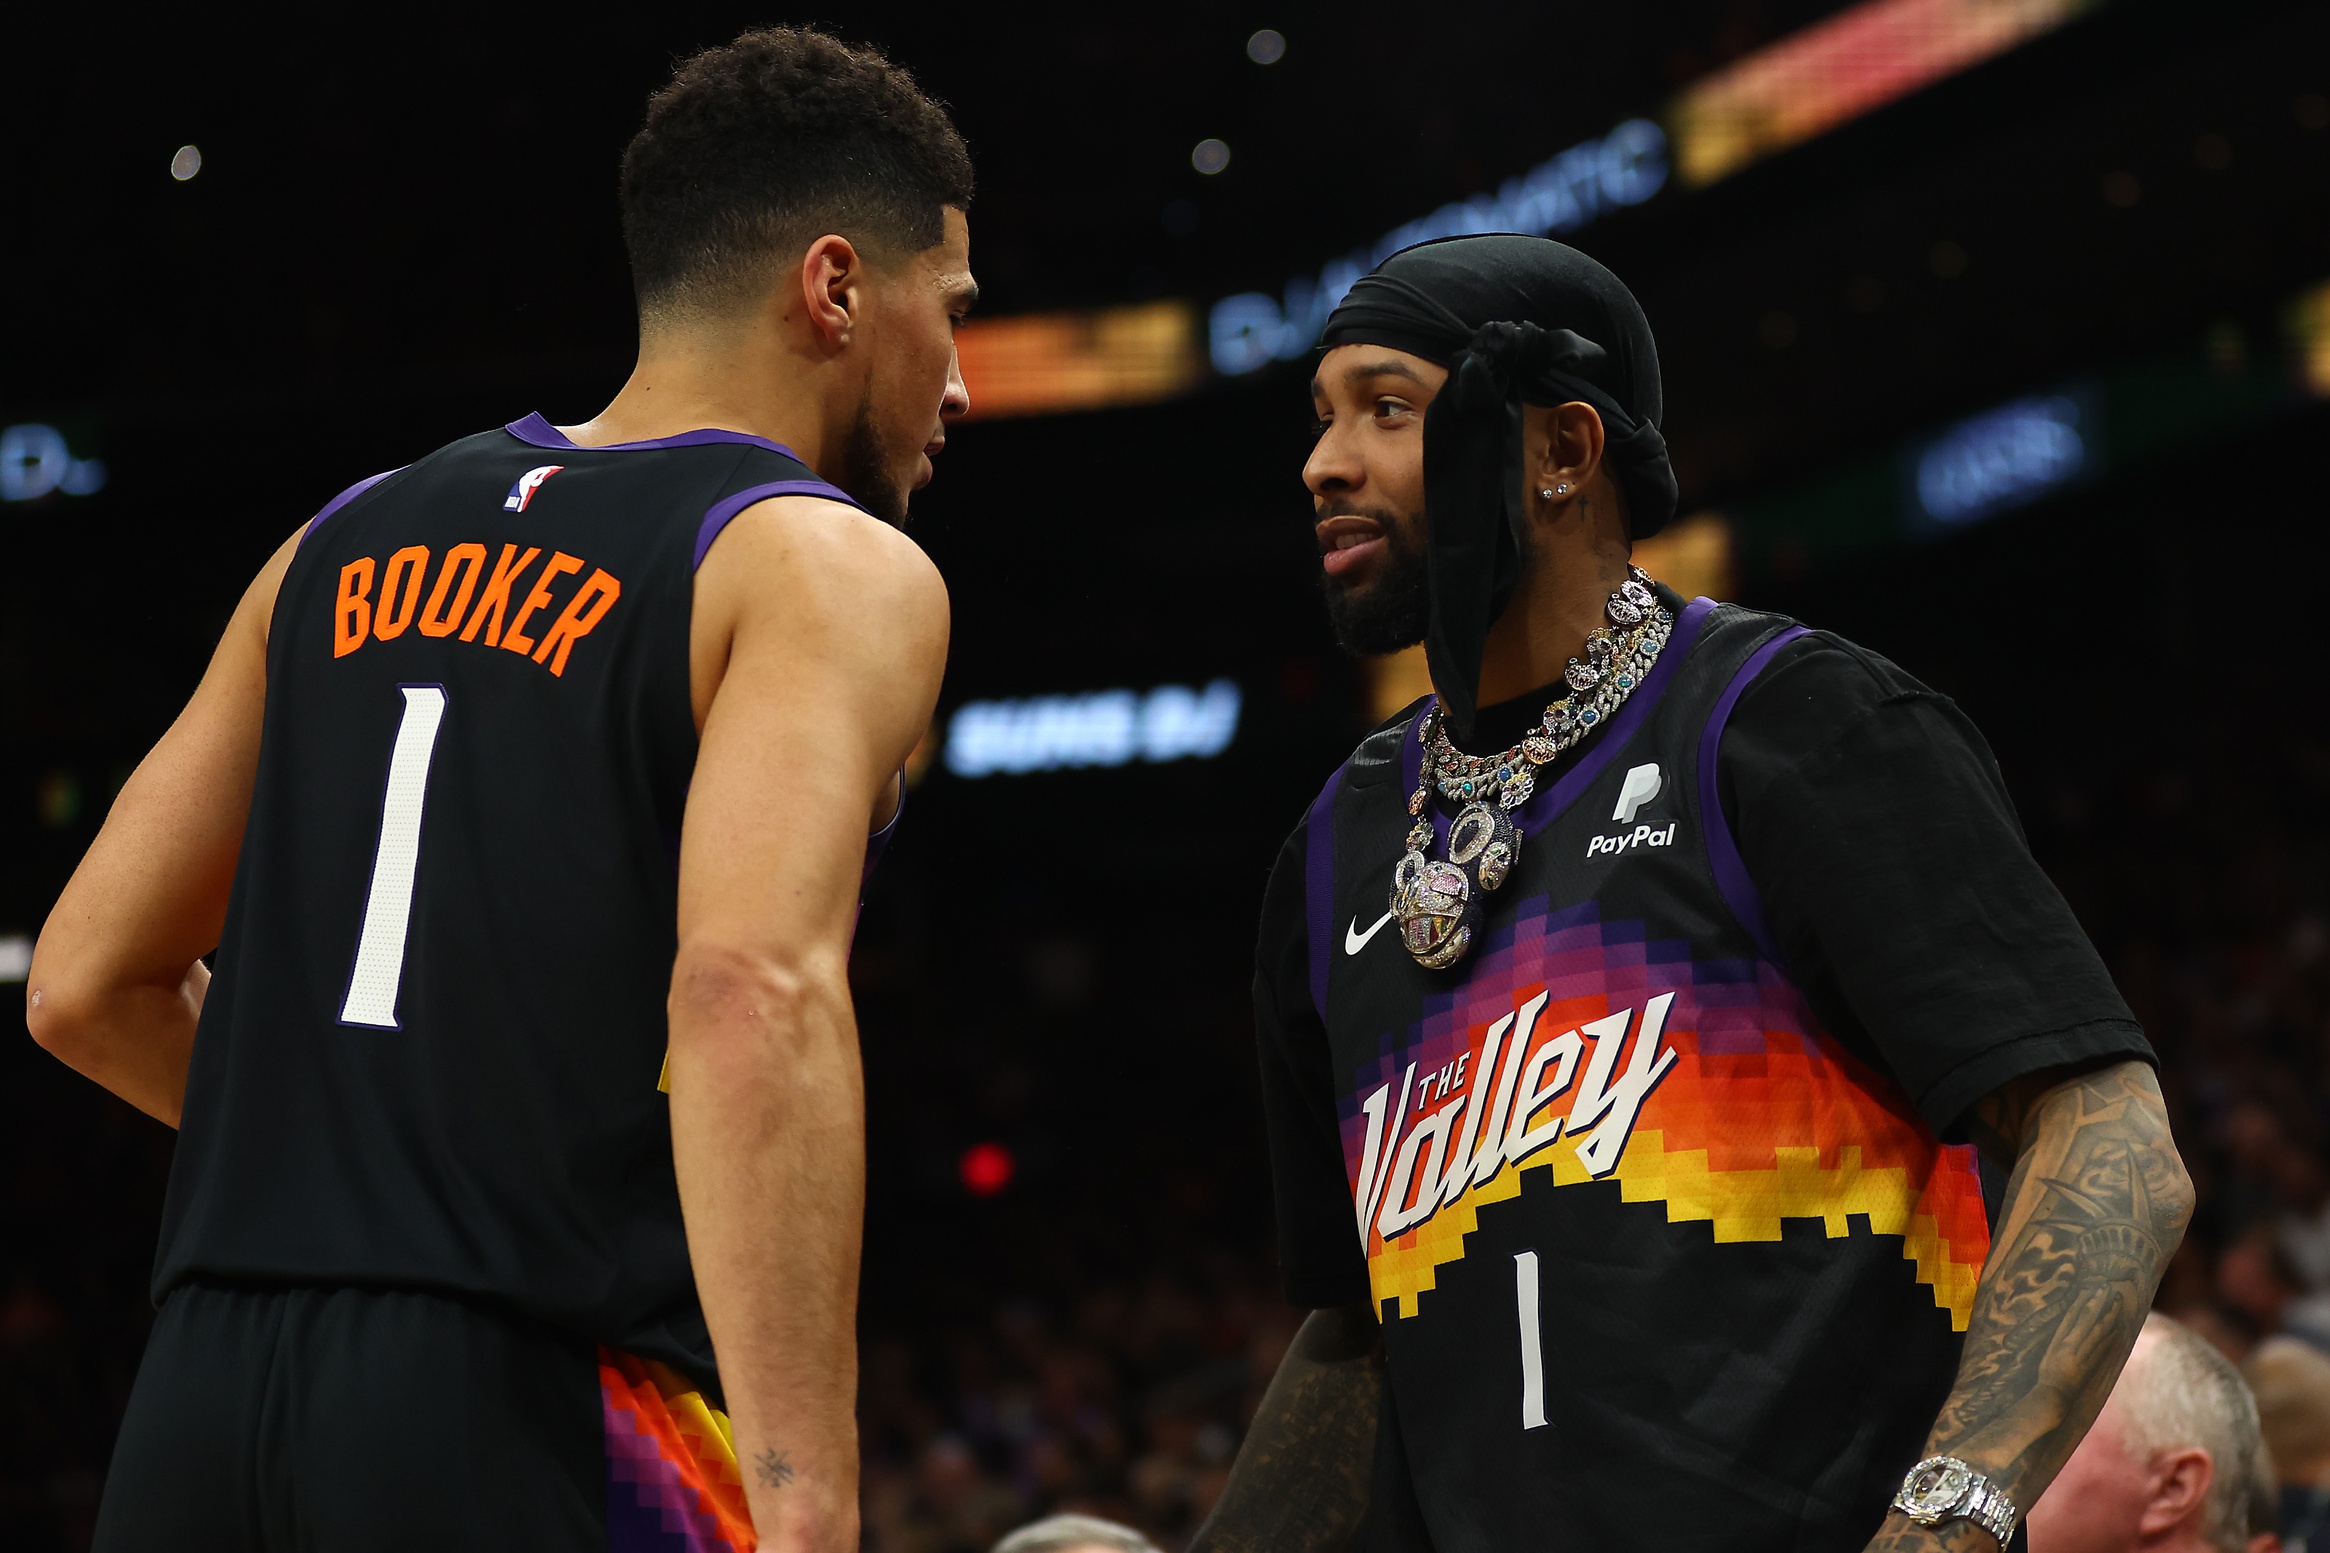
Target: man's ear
x=831, y=273
x=2180, y=1483
x=1571, y=455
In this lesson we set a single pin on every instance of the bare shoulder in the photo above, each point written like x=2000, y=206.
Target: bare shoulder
x=816, y=591
x=791, y=553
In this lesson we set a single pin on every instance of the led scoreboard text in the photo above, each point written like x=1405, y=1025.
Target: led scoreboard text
x=1104, y=728
x=1624, y=167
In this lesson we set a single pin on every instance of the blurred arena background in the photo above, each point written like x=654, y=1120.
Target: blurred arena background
x=1997, y=336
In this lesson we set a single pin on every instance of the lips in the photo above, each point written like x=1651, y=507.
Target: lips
x=1347, y=543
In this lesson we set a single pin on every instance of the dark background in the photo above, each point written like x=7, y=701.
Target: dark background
x=405, y=230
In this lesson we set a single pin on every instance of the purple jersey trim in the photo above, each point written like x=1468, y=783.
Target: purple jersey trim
x=1542, y=809
x=1731, y=875
x=1319, y=887
x=342, y=500
x=726, y=508
x=542, y=434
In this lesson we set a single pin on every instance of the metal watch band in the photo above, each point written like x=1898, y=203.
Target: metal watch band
x=1989, y=1508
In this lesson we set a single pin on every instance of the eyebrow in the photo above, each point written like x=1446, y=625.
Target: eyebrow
x=1352, y=376
x=1384, y=368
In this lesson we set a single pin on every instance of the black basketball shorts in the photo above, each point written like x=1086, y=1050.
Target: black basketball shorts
x=300, y=1420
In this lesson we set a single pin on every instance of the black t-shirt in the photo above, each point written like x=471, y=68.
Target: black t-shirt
x=1896, y=882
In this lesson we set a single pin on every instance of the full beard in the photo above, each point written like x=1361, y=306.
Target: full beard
x=867, y=471
x=1392, y=609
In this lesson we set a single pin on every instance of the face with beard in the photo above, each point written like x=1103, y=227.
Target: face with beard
x=869, y=471
x=1366, y=477
x=908, y=311
x=1389, y=605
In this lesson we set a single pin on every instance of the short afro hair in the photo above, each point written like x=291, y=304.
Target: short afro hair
x=761, y=146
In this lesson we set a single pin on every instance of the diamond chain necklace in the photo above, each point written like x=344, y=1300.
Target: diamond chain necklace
x=1438, y=902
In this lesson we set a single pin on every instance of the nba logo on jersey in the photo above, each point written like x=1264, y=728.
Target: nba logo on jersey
x=528, y=484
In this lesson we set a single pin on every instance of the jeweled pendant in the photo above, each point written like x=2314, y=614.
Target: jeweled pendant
x=1436, y=910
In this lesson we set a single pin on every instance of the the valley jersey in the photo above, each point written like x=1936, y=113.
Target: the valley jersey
x=430, y=1054
x=1659, y=1263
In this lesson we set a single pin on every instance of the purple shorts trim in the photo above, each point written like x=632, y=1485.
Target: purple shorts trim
x=726, y=508
x=1731, y=875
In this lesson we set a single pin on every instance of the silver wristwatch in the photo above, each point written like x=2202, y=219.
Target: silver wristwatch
x=1943, y=1488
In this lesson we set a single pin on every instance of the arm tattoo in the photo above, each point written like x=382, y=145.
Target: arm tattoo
x=773, y=1469
x=1300, y=1483
x=2097, y=1204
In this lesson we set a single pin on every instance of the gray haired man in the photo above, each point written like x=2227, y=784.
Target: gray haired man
x=2168, y=1464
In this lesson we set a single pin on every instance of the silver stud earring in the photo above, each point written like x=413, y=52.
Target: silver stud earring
x=1546, y=492
x=1562, y=489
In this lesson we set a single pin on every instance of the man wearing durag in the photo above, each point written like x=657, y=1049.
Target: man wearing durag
x=1631, y=1011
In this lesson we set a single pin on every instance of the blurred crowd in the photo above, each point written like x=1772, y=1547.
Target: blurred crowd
x=1124, y=1394
x=1126, y=1402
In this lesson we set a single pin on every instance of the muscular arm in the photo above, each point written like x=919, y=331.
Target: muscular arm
x=2097, y=1203
x=817, y=646
x=1300, y=1483
x=116, y=984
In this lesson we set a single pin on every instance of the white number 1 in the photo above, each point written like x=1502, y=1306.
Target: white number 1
x=1532, y=1341
x=388, y=910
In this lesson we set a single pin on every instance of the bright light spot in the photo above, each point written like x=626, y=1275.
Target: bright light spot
x=1106, y=728
x=186, y=163
x=35, y=461
x=1266, y=47
x=1210, y=157
x=987, y=1168
x=2001, y=459
x=15, y=957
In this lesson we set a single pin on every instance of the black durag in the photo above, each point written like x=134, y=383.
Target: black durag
x=1515, y=320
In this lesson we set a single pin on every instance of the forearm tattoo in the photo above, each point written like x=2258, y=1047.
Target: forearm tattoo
x=773, y=1469
x=2097, y=1203
x=1300, y=1483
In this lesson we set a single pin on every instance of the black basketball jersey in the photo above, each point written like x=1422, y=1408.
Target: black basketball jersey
x=1659, y=1263
x=430, y=1053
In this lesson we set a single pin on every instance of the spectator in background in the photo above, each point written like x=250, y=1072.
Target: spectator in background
x=1075, y=1534
x=2170, y=1462
x=2291, y=1380
x=2264, y=1504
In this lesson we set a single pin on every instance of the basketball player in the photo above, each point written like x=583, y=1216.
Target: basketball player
x=1619, y=1006
x=514, y=764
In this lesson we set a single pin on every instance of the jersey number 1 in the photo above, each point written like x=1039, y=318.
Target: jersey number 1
x=1532, y=1340
x=388, y=909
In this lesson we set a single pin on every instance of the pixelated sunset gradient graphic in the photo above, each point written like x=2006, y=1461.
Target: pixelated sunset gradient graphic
x=1759, y=1119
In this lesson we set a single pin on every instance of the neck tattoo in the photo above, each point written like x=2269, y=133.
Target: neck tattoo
x=1438, y=901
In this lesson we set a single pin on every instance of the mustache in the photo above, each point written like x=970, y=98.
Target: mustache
x=1342, y=507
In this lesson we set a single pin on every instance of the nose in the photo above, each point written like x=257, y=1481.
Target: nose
x=1333, y=465
x=956, y=403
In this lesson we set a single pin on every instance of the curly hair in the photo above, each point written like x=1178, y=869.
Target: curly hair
x=759, y=147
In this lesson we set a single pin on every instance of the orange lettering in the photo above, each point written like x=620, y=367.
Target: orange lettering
x=404, y=569
x=516, y=639
x=439, y=619
x=600, y=591
x=497, y=595
x=352, y=616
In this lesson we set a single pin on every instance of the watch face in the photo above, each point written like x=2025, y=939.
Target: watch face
x=1935, y=1487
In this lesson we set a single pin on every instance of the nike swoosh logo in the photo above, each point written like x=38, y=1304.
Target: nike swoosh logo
x=1354, y=940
